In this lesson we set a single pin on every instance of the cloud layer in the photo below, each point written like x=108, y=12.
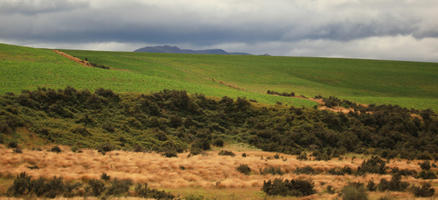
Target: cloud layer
x=383, y=29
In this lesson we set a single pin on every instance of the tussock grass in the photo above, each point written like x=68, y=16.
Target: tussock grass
x=206, y=171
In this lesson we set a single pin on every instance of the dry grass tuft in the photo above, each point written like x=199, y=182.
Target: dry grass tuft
x=204, y=171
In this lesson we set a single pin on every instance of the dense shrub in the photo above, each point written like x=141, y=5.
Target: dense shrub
x=218, y=143
x=426, y=174
x=194, y=122
x=244, y=169
x=12, y=144
x=395, y=184
x=272, y=170
x=56, y=149
x=288, y=187
x=306, y=170
x=170, y=154
x=119, y=187
x=142, y=190
x=340, y=171
x=302, y=156
x=403, y=172
x=105, y=177
x=425, y=165
x=374, y=165
x=96, y=187
x=425, y=190
x=371, y=186
x=354, y=191
x=226, y=153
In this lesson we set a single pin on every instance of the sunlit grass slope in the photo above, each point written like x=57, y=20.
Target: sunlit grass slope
x=409, y=84
x=28, y=68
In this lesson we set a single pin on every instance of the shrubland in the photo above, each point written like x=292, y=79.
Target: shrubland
x=173, y=121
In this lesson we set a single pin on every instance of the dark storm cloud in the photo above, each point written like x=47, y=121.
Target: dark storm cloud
x=201, y=23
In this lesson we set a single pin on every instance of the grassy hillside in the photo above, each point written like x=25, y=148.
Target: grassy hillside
x=410, y=84
x=29, y=68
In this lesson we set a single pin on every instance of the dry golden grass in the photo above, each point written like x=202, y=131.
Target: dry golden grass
x=208, y=171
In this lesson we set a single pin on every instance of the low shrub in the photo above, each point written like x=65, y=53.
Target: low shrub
x=354, y=191
x=170, y=154
x=226, y=153
x=302, y=156
x=119, y=187
x=426, y=174
x=373, y=165
x=272, y=170
x=12, y=144
x=425, y=190
x=286, y=187
x=330, y=189
x=403, y=172
x=244, y=169
x=105, y=177
x=371, y=186
x=340, y=171
x=96, y=187
x=306, y=170
x=56, y=149
x=218, y=143
x=395, y=184
x=142, y=190
x=18, y=150
x=425, y=165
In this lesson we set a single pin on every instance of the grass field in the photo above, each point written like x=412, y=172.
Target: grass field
x=409, y=84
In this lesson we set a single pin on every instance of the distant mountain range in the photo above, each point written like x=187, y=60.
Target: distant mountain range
x=175, y=49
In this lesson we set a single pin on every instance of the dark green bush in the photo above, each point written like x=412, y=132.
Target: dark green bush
x=119, y=187
x=395, y=184
x=340, y=171
x=425, y=165
x=218, y=142
x=425, y=190
x=105, y=177
x=306, y=170
x=354, y=191
x=142, y=190
x=302, y=156
x=426, y=174
x=371, y=186
x=374, y=165
x=18, y=150
x=330, y=189
x=170, y=154
x=96, y=187
x=21, y=185
x=272, y=170
x=286, y=187
x=12, y=144
x=226, y=153
x=244, y=169
x=56, y=149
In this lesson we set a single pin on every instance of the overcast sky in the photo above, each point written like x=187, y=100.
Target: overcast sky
x=380, y=29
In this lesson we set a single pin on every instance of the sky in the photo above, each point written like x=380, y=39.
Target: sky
x=376, y=29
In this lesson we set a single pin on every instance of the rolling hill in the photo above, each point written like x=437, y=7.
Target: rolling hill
x=408, y=84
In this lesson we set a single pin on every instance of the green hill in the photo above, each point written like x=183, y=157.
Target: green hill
x=408, y=84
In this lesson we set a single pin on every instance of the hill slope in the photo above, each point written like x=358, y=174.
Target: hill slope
x=409, y=84
x=29, y=68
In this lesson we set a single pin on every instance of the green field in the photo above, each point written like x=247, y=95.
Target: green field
x=409, y=84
